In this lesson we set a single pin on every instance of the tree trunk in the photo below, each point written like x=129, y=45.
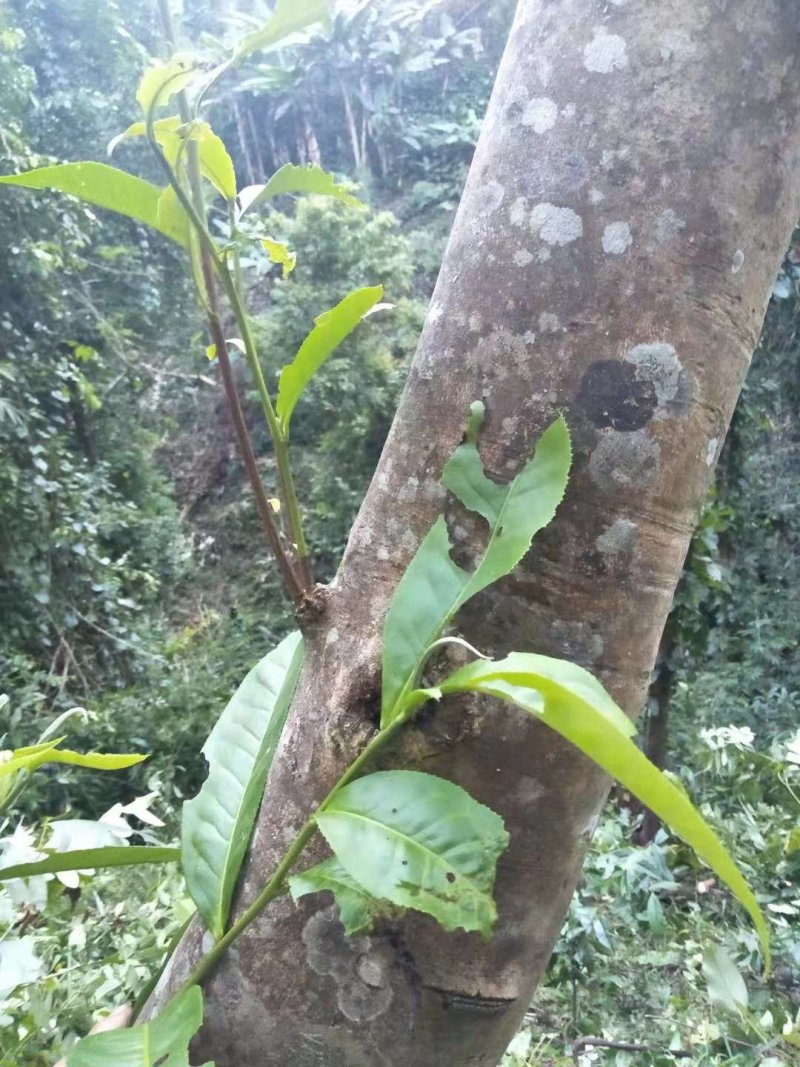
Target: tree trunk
x=631, y=195
x=350, y=122
x=241, y=133
x=312, y=153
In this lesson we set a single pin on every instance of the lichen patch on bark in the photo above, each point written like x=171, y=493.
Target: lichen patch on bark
x=624, y=461
x=556, y=226
x=618, y=537
x=358, y=970
x=540, y=114
x=617, y=238
x=606, y=52
x=491, y=198
x=657, y=363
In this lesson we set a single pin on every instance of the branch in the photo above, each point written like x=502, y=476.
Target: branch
x=212, y=263
x=585, y=1044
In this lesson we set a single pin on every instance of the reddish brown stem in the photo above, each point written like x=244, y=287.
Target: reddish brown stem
x=285, y=567
x=584, y=1044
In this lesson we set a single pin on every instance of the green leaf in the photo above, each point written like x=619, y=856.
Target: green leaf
x=433, y=587
x=330, y=329
x=162, y=1042
x=215, y=163
x=172, y=135
x=292, y=179
x=162, y=80
x=234, y=342
x=172, y=215
x=792, y=842
x=288, y=17
x=28, y=759
x=97, y=761
x=24, y=759
x=423, y=603
x=105, y=186
x=726, y=986
x=163, y=130
x=551, y=690
x=516, y=511
x=218, y=822
x=549, y=687
x=91, y=859
x=419, y=842
x=356, y=905
x=278, y=252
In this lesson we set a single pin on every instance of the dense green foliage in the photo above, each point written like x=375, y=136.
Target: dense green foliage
x=127, y=577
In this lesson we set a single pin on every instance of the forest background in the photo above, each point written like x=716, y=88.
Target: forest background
x=128, y=582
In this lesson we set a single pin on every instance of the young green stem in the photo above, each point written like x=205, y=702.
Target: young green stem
x=299, y=581
x=277, y=883
x=235, y=258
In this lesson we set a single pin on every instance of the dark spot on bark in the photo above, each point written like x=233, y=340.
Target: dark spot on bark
x=594, y=562
x=371, y=703
x=620, y=173
x=768, y=195
x=450, y=876
x=514, y=111
x=611, y=395
x=576, y=170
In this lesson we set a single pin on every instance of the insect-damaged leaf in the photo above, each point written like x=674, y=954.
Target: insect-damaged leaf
x=217, y=823
x=574, y=704
x=516, y=511
x=419, y=842
x=433, y=587
x=280, y=253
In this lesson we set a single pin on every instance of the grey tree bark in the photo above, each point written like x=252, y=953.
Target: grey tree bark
x=633, y=189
